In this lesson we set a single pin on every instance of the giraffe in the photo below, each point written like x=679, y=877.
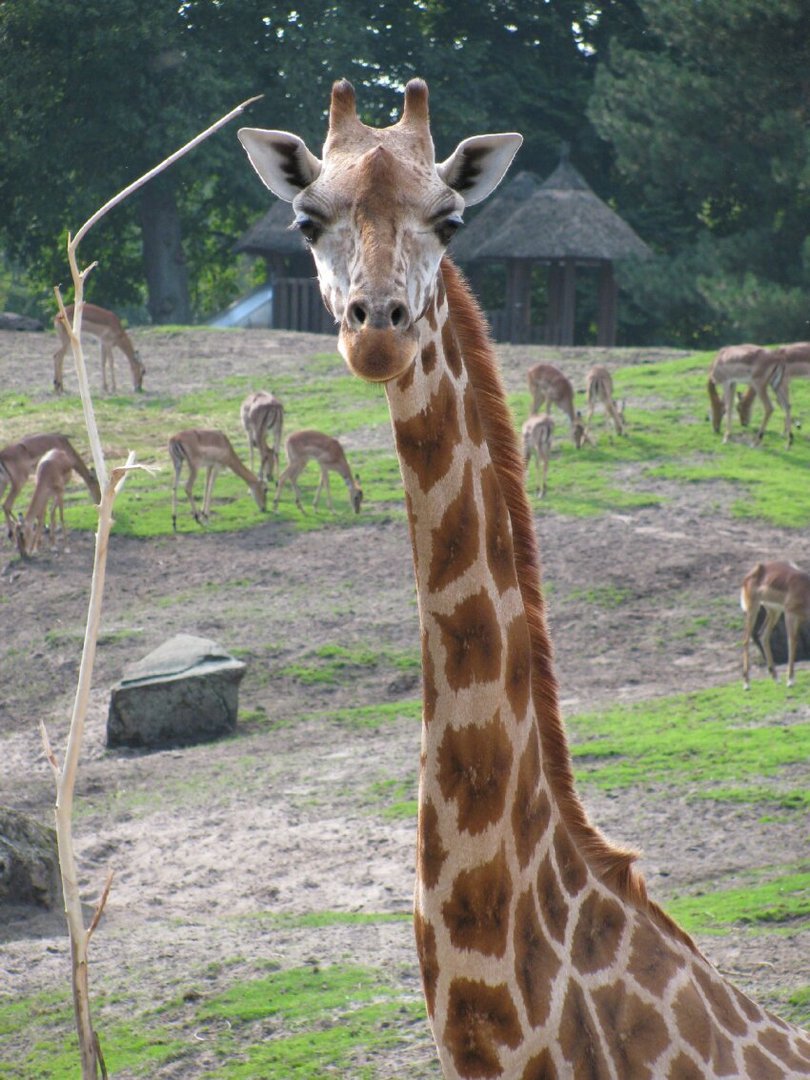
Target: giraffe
x=541, y=955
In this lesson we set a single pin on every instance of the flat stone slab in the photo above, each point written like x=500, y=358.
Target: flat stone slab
x=29, y=863
x=184, y=692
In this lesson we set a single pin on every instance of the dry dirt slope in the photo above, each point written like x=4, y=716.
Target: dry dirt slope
x=210, y=844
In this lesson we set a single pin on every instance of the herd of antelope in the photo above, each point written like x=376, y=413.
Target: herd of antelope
x=777, y=587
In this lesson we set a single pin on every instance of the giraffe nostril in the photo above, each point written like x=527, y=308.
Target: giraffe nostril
x=358, y=314
x=398, y=315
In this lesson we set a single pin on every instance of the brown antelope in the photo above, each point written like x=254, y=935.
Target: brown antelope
x=751, y=364
x=18, y=460
x=263, y=413
x=599, y=389
x=212, y=450
x=549, y=386
x=778, y=587
x=106, y=327
x=53, y=473
x=304, y=446
x=537, y=432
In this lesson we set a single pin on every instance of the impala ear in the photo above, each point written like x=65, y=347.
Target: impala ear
x=282, y=160
x=478, y=164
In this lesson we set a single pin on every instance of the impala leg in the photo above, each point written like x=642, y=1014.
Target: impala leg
x=189, y=489
x=543, y=482
x=750, y=618
x=210, y=477
x=783, y=397
x=329, y=490
x=792, y=626
x=768, y=407
x=771, y=619
x=728, y=402
x=177, y=467
x=7, y=505
x=58, y=364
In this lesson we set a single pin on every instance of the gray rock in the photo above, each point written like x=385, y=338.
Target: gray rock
x=29, y=863
x=185, y=692
x=9, y=320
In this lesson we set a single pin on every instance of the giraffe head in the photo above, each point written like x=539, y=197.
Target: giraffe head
x=377, y=211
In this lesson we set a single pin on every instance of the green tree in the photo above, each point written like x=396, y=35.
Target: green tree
x=707, y=115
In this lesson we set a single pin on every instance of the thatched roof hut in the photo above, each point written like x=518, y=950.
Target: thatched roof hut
x=562, y=224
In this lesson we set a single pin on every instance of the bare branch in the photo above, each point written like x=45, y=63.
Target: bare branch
x=49, y=754
x=105, y=892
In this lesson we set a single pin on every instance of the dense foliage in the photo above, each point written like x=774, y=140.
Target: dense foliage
x=689, y=117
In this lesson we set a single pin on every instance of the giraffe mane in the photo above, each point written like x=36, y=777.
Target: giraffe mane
x=612, y=865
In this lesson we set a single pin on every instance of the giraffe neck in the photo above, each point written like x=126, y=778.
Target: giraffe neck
x=540, y=954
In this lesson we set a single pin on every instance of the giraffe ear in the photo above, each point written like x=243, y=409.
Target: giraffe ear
x=282, y=160
x=478, y=164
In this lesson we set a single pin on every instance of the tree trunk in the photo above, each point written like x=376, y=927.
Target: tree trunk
x=164, y=261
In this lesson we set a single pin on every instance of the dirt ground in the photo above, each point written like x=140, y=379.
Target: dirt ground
x=282, y=817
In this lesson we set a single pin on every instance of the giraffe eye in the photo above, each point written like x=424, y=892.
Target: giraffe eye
x=448, y=227
x=309, y=229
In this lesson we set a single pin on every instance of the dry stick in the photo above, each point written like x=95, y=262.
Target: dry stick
x=89, y=1047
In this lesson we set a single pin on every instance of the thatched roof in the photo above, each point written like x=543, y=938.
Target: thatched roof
x=494, y=215
x=560, y=218
x=272, y=235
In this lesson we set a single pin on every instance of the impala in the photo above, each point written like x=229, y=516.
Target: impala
x=212, y=450
x=304, y=446
x=549, y=386
x=106, y=327
x=758, y=367
x=262, y=413
x=779, y=587
x=537, y=432
x=599, y=389
x=53, y=473
x=18, y=461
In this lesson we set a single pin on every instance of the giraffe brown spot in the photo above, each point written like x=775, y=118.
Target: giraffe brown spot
x=500, y=554
x=747, y=1006
x=452, y=352
x=429, y=692
x=477, y=913
x=553, y=904
x=405, y=380
x=480, y=1018
x=455, y=541
x=635, y=1032
x=696, y=1028
x=428, y=960
x=760, y=1066
x=720, y=1001
x=536, y=963
x=778, y=1044
x=531, y=811
x=518, y=667
x=473, y=420
x=573, y=872
x=598, y=933
x=652, y=963
x=428, y=440
x=683, y=1068
x=541, y=1067
x=472, y=640
x=431, y=852
x=474, y=769
x=429, y=354
x=579, y=1037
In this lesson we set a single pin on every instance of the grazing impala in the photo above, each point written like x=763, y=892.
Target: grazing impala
x=262, y=413
x=200, y=448
x=104, y=325
x=53, y=473
x=549, y=386
x=599, y=389
x=537, y=432
x=778, y=587
x=304, y=446
x=18, y=461
x=796, y=358
x=758, y=367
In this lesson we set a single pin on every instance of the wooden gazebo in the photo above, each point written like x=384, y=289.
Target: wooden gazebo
x=561, y=224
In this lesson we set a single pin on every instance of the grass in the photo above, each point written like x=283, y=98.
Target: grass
x=721, y=738
x=334, y=664
x=773, y=900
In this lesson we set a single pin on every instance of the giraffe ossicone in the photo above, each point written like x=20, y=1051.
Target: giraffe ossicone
x=542, y=957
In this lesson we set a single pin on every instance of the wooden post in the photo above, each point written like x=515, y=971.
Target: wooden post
x=608, y=296
x=569, y=295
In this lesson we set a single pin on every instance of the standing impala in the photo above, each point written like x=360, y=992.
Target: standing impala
x=549, y=386
x=599, y=389
x=262, y=414
x=758, y=367
x=18, y=461
x=537, y=432
x=304, y=446
x=779, y=587
x=53, y=473
x=104, y=325
x=202, y=448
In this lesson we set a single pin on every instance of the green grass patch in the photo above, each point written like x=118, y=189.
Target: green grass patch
x=398, y=798
x=603, y=596
x=333, y=664
x=776, y=903
x=375, y=716
x=322, y=919
x=708, y=737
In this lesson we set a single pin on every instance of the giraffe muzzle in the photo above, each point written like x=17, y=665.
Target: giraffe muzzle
x=378, y=340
